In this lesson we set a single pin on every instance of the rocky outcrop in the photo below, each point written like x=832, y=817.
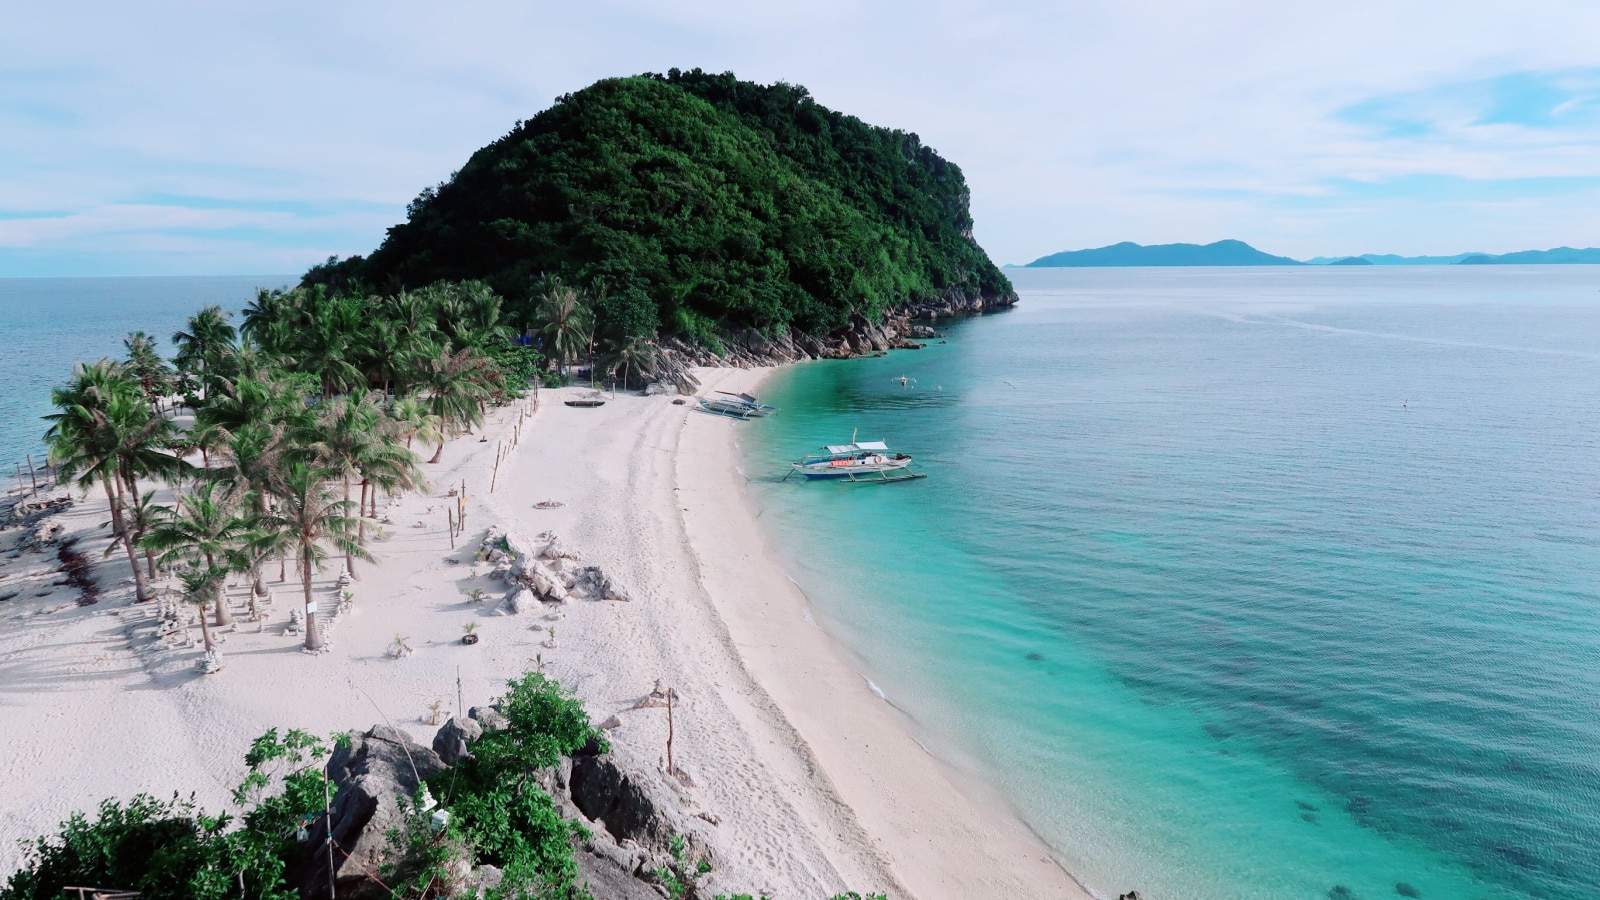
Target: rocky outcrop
x=372, y=774
x=858, y=337
x=454, y=739
x=542, y=569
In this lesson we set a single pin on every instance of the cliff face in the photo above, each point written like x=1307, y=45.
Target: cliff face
x=703, y=205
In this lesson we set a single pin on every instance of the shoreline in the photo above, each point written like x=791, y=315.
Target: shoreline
x=810, y=784
x=940, y=840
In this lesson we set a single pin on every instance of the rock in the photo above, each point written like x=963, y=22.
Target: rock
x=489, y=717
x=454, y=738
x=487, y=877
x=611, y=723
x=373, y=773
x=556, y=550
x=520, y=546
x=519, y=600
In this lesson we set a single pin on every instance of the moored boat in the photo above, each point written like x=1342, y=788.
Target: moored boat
x=736, y=406
x=857, y=461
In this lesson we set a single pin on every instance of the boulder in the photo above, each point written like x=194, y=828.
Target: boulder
x=489, y=717
x=373, y=773
x=556, y=550
x=454, y=738
x=520, y=545
x=519, y=600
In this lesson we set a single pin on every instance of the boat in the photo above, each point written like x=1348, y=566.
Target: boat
x=589, y=403
x=870, y=462
x=736, y=406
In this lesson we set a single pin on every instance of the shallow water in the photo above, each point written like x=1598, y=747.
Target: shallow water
x=47, y=324
x=1239, y=584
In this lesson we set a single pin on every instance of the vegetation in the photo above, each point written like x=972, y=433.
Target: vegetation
x=688, y=203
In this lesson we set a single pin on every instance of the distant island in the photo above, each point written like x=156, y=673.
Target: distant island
x=1127, y=253
x=1238, y=253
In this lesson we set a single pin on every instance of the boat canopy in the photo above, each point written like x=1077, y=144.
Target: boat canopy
x=859, y=445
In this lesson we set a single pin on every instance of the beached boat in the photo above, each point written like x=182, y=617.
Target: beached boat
x=870, y=462
x=736, y=406
x=586, y=403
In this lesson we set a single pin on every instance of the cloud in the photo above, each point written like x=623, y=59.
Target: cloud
x=191, y=136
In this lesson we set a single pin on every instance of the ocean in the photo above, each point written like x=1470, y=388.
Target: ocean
x=1237, y=583
x=47, y=324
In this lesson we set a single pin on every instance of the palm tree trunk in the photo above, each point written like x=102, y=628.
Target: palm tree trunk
x=205, y=632
x=439, y=452
x=150, y=562
x=140, y=591
x=349, y=561
x=313, y=637
x=224, y=615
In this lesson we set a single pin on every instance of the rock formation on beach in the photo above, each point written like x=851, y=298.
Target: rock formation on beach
x=542, y=569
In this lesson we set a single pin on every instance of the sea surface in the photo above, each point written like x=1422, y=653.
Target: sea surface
x=1270, y=583
x=47, y=324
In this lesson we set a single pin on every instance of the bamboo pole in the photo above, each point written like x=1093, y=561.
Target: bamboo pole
x=450, y=519
x=670, y=768
x=496, y=476
x=32, y=476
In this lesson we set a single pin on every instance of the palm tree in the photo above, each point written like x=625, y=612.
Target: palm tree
x=208, y=337
x=309, y=512
x=568, y=321
x=201, y=585
x=146, y=366
x=351, y=439
x=104, y=431
x=205, y=526
x=638, y=354
x=413, y=421
x=455, y=385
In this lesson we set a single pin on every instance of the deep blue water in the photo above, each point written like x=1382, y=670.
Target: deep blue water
x=47, y=324
x=1238, y=583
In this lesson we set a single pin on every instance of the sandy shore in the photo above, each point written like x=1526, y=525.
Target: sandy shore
x=816, y=784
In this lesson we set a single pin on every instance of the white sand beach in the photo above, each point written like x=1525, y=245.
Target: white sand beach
x=816, y=785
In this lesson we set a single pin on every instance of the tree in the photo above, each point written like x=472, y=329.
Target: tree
x=456, y=390
x=567, y=321
x=146, y=366
x=312, y=513
x=202, y=586
x=204, y=343
x=413, y=421
x=351, y=439
x=104, y=430
x=204, y=528
x=637, y=354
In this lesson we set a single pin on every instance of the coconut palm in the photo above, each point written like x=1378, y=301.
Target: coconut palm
x=637, y=354
x=146, y=366
x=413, y=421
x=202, y=585
x=455, y=384
x=310, y=512
x=202, y=346
x=202, y=529
x=350, y=439
x=568, y=321
x=104, y=431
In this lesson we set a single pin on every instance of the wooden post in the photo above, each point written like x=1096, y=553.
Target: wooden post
x=32, y=476
x=21, y=488
x=670, y=769
x=450, y=518
x=496, y=476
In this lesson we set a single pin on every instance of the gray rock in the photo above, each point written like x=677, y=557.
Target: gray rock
x=520, y=600
x=373, y=774
x=489, y=717
x=454, y=738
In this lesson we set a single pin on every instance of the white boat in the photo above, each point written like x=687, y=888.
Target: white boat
x=736, y=406
x=857, y=461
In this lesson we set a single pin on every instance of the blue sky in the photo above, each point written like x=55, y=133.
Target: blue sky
x=178, y=138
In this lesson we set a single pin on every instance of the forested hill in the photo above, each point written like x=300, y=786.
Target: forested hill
x=693, y=202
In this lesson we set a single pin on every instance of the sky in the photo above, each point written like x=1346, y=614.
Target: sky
x=204, y=138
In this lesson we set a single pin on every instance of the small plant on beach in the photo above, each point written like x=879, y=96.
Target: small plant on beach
x=469, y=628
x=435, y=710
x=398, y=648
x=476, y=594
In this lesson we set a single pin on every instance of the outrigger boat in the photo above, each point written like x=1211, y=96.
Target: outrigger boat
x=858, y=461
x=736, y=406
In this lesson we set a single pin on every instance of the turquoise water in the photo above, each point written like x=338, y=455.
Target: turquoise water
x=47, y=324
x=1238, y=584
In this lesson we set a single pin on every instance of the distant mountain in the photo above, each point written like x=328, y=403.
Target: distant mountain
x=1352, y=261
x=1558, y=256
x=1127, y=253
